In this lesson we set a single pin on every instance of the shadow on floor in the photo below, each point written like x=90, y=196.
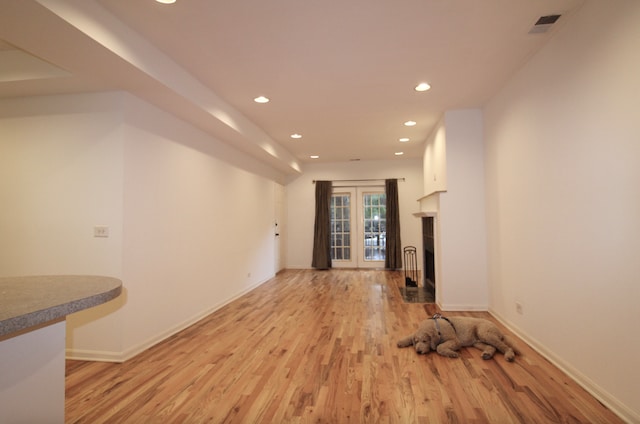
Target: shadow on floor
x=417, y=294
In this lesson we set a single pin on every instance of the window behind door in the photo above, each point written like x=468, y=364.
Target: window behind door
x=341, y=226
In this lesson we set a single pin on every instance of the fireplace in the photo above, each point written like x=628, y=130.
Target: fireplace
x=429, y=265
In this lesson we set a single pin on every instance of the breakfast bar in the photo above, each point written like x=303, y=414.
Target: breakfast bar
x=32, y=340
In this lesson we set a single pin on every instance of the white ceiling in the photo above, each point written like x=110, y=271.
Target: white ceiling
x=339, y=72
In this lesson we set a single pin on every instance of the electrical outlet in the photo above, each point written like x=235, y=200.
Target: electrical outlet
x=101, y=231
x=519, y=308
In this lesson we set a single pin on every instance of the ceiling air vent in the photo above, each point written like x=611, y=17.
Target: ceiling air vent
x=543, y=24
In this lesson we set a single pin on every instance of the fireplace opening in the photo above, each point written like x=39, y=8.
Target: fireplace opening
x=429, y=265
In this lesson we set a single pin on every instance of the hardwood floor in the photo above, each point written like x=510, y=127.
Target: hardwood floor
x=320, y=346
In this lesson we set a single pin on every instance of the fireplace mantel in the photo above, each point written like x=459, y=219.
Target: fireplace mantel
x=424, y=214
x=429, y=204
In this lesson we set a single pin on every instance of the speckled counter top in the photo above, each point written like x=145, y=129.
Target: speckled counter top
x=26, y=302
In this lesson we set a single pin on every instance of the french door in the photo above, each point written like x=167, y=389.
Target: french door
x=358, y=227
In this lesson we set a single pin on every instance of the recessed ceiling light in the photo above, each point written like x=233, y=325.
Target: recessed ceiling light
x=410, y=123
x=399, y=153
x=314, y=156
x=260, y=99
x=166, y=1
x=296, y=135
x=403, y=139
x=423, y=86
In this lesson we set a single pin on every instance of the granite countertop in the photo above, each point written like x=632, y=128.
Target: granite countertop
x=30, y=301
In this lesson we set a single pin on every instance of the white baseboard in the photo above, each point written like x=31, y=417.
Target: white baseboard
x=462, y=308
x=122, y=356
x=93, y=355
x=620, y=409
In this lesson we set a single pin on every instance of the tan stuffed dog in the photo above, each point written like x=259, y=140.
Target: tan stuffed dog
x=447, y=335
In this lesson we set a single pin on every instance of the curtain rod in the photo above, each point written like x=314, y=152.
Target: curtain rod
x=353, y=181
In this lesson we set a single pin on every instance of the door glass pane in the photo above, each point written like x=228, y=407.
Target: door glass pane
x=340, y=227
x=375, y=225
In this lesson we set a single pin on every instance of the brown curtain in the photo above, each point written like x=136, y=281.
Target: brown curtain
x=322, y=227
x=393, y=252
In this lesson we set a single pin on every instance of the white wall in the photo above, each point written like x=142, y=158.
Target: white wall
x=60, y=174
x=189, y=231
x=301, y=202
x=563, y=171
x=435, y=161
x=454, y=194
x=461, y=218
x=197, y=231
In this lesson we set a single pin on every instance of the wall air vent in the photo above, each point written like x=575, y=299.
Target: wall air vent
x=543, y=24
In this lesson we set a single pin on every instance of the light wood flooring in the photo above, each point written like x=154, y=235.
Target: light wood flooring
x=320, y=346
